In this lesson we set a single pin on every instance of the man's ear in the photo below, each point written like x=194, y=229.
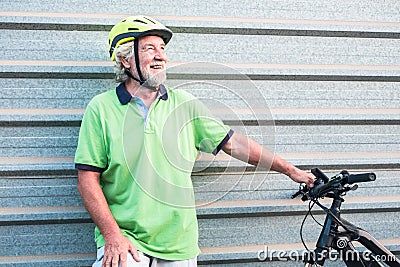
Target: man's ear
x=125, y=63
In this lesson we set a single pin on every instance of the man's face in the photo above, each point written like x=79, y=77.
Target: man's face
x=153, y=59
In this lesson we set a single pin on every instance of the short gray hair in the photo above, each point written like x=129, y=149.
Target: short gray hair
x=123, y=51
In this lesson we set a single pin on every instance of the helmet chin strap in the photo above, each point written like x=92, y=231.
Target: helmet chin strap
x=129, y=74
x=136, y=51
x=141, y=80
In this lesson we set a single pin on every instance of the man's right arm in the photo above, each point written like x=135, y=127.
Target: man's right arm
x=117, y=245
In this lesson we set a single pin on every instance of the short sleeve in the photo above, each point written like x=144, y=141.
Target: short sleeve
x=91, y=150
x=211, y=133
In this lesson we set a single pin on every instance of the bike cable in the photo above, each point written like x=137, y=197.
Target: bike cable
x=312, y=215
x=310, y=206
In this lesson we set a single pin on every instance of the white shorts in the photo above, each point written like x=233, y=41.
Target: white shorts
x=147, y=261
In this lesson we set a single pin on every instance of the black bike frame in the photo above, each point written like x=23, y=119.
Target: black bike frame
x=338, y=234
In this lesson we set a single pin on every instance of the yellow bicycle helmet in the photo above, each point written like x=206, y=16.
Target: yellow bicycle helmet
x=134, y=27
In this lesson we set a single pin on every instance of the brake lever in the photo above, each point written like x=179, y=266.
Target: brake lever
x=303, y=189
x=350, y=188
x=297, y=193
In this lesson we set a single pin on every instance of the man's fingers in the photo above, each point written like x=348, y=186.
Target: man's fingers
x=115, y=261
x=311, y=181
x=123, y=259
x=107, y=262
x=135, y=253
x=116, y=253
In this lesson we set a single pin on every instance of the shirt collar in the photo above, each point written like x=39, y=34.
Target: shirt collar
x=125, y=97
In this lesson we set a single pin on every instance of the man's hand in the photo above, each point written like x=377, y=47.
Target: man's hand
x=116, y=251
x=302, y=177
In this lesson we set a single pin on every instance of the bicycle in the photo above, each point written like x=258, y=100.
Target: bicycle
x=337, y=233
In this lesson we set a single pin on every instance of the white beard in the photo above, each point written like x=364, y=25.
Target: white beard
x=156, y=79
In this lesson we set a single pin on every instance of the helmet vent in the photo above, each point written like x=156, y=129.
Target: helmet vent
x=140, y=21
x=150, y=20
x=133, y=29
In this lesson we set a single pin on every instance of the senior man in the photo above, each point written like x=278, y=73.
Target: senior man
x=131, y=142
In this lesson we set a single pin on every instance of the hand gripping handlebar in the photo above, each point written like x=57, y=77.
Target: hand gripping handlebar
x=323, y=184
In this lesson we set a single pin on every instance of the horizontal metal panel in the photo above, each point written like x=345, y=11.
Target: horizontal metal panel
x=291, y=9
x=221, y=48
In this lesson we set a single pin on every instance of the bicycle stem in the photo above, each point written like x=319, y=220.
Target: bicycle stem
x=331, y=223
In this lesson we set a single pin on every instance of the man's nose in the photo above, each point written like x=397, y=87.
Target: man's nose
x=160, y=54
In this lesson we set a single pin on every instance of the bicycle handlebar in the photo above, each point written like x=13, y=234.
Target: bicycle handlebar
x=361, y=178
x=323, y=185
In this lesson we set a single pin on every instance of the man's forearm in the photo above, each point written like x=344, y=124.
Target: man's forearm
x=243, y=148
x=95, y=202
x=247, y=150
x=117, y=245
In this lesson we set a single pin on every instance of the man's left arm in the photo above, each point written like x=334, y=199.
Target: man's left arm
x=245, y=149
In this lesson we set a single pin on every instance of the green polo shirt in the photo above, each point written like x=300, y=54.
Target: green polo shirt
x=146, y=165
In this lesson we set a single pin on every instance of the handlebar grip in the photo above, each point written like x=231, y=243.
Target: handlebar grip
x=360, y=178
